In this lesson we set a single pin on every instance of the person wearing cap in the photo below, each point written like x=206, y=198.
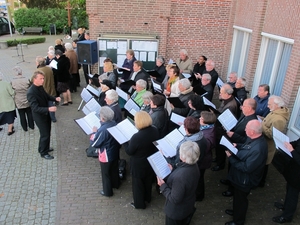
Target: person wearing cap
x=94, y=80
x=105, y=86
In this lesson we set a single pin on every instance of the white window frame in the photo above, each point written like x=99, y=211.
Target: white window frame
x=262, y=56
x=295, y=113
x=247, y=35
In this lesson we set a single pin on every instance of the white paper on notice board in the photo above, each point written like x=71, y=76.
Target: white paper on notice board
x=112, y=45
x=120, y=60
x=102, y=45
x=137, y=55
x=101, y=59
x=143, y=56
x=151, y=56
x=122, y=47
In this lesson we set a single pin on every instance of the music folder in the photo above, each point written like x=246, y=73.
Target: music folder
x=88, y=122
x=153, y=73
x=199, y=90
x=158, y=87
x=123, y=131
x=129, y=83
x=210, y=105
x=159, y=165
x=175, y=101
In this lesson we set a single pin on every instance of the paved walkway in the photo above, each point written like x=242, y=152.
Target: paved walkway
x=65, y=190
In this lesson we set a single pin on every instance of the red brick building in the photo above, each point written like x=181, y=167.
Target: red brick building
x=260, y=39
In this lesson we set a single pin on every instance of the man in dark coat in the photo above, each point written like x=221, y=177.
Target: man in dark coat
x=246, y=170
x=210, y=68
x=38, y=100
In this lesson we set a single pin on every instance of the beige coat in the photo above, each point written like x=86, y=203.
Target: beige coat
x=7, y=103
x=186, y=66
x=278, y=119
x=71, y=54
x=20, y=84
x=49, y=80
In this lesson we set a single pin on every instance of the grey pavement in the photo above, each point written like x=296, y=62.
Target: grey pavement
x=66, y=190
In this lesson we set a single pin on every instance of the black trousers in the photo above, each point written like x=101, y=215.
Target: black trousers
x=263, y=179
x=142, y=190
x=200, y=191
x=86, y=73
x=185, y=221
x=26, y=118
x=240, y=206
x=291, y=201
x=44, y=125
x=110, y=176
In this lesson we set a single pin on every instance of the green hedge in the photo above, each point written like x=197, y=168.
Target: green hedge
x=29, y=41
x=43, y=18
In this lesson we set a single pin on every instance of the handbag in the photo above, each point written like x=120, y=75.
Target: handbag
x=92, y=152
x=103, y=156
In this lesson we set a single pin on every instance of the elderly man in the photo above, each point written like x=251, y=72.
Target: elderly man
x=80, y=34
x=184, y=63
x=38, y=100
x=210, y=68
x=277, y=118
x=140, y=89
x=206, y=85
x=246, y=170
x=228, y=102
x=185, y=92
x=262, y=98
x=238, y=133
x=239, y=90
x=232, y=78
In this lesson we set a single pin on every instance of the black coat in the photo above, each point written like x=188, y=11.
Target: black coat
x=180, y=191
x=160, y=118
x=140, y=147
x=210, y=91
x=62, y=72
x=162, y=71
x=214, y=77
x=247, y=166
x=240, y=94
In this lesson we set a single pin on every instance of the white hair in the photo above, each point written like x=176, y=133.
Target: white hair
x=277, y=100
x=68, y=46
x=106, y=114
x=142, y=83
x=207, y=76
x=185, y=83
x=112, y=95
x=183, y=51
x=189, y=152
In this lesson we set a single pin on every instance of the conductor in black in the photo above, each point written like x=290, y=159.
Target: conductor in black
x=38, y=100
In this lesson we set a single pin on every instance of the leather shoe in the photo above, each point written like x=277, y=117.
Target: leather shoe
x=229, y=212
x=132, y=205
x=50, y=150
x=103, y=194
x=227, y=193
x=279, y=205
x=230, y=223
x=47, y=156
x=10, y=133
x=225, y=181
x=217, y=168
x=281, y=219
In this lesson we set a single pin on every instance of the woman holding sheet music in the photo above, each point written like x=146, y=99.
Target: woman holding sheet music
x=172, y=89
x=139, y=148
x=108, y=152
x=180, y=187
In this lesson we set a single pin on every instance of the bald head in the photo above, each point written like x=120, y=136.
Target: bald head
x=253, y=129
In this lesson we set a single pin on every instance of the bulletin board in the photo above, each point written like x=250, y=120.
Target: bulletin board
x=145, y=49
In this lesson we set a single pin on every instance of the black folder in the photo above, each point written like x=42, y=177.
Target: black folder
x=199, y=90
x=175, y=101
x=129, y=83
x=153, y=73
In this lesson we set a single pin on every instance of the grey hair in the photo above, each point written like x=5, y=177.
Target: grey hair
x=68, y=46
x=183, y=51
x=161, y=59
x=207, y=76
x=40, y=60
x=189, y=152
x=103, y=77
x=243, y=81
x=212, y=62
x=277, y=100
x=50, y=48
x=228, y=89
x=51, y=52
x=106, y=114
x=255, y=125
x=147, y=96
x=112, y=95
x=185, y=83
x=17, y=70
x=234, y=74
x=142, y=83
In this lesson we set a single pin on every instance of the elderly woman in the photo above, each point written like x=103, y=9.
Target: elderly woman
x=140, y=89
x=7, y=106
x=146, y=101
x=74, y=71
x=128, y=64
x=105, y=86
x=111, y=99
x=59, y=45
x=63, y=76
x=21, y=84
x=171, y=88
x=184, y=63
x=139, y=148
x=160, y=68
x=108, y=151
x=180, y=187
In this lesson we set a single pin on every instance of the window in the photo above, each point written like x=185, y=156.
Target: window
x=294, y=124
x=273, y=60
x=239, y=50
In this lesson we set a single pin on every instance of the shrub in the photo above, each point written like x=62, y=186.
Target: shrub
x=29, y=41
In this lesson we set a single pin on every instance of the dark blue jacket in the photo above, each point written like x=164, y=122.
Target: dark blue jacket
x=262, y=106
x=104, y=140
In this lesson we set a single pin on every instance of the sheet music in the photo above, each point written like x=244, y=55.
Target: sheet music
x=186, y=75
x=131, y=106
x=88, y=122
x=224, y=141
x=123, y=131
x=279, y=139
x=93, y=90
x=156, y=86
x=122, y=93
x=92, y=106
x=182, y=130
x=53, y=64
x=159, y=165
x=171, y=61
x=169, y=143
x=209, y=103
x=86, y=95
x=178, y=119
x=220, y=82
x=227, y=119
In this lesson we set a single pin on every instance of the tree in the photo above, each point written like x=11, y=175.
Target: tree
x=41, y=4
